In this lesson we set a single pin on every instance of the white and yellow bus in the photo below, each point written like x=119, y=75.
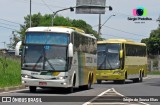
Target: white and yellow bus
x=58, y=57
x=120, y=59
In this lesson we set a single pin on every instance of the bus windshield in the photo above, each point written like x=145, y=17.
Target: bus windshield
x=46, y=38
x=48, y=54
x=108, y=56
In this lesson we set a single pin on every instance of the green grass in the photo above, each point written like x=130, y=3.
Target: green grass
x=154, y=73
x=10, y=74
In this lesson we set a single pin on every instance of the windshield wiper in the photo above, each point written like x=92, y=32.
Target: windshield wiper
x=37, y=61
x=49, y=63
x=104, y=61
x=109, y=63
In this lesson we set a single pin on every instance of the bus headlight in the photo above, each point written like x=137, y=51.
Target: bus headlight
x=117, y=72
x=26, y=76
x=62, y=77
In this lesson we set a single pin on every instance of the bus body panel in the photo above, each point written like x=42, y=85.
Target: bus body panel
x=82, y=66
x=133, y=65
x=109, y=75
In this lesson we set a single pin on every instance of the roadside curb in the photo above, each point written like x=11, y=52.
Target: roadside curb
x=153, y=76
x=6, y=89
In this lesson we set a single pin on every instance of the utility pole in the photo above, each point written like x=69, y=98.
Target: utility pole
x=30, y=24
x=99, y=25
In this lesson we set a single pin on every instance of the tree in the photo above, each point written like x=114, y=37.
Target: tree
x=153, y=42
x=45, y=20
x=86, y=27
x=14, y=40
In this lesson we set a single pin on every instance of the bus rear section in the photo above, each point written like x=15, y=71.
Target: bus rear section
x=120, y=59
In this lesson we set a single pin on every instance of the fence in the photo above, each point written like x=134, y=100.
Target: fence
x=154, y=63
x=10, y=56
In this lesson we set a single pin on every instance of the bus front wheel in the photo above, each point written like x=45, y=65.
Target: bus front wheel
x=140, y=77
x=32, y=89
x=71, y=89
x=99, y=81
x=135, y=80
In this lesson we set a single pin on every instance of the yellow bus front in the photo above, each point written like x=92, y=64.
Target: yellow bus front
x=118, y=60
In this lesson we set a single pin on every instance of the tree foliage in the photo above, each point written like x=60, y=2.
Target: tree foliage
x=153, y=42
x=45, y=20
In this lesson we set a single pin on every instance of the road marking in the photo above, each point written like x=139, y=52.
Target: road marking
x=86, y=103
x=98, y=100
x=117, y=92
x=128, y=97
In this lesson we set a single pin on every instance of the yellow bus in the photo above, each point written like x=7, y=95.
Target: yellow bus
x=121, y=59
x=58, y=57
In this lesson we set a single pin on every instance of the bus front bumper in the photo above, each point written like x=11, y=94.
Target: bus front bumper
x=45, y=83
x=109, y=77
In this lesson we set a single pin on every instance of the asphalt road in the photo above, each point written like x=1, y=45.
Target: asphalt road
x=149, y=87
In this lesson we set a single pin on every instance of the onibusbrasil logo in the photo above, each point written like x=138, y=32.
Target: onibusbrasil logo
x=140, y=11
x=139, y=15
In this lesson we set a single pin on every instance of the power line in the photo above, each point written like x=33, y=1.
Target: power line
x=121, y=30
x=8, y=28
x=47, y=5
x=121, y=37
x=8, y=24
x=125, y=31
x=10, y=21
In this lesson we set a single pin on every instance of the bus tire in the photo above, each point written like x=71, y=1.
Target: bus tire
x=122, y=81
x=71, y=89
x=32, y=89
x=89, y=85
x=135, y=80
x=140, y=77
x=99, y=81
x=116, y=81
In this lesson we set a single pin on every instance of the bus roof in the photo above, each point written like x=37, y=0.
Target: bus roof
x=125, y=41
x=59, y=29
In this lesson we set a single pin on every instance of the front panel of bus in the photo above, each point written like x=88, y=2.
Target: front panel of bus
x=109, y=63
x=45, y=59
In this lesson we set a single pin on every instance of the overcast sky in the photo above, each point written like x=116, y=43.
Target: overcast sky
x=118, y=26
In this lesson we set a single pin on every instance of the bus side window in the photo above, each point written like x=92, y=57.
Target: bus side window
x=72, y=38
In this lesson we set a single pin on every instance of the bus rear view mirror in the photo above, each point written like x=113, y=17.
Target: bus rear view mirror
x=121, y=54
x=17, y=48
x=70, y=50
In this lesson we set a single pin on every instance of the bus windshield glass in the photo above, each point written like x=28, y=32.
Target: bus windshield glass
x=108, y=56
x=48, y=54
x=46, y=38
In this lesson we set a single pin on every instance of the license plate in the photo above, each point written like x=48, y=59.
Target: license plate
x=42, y=83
